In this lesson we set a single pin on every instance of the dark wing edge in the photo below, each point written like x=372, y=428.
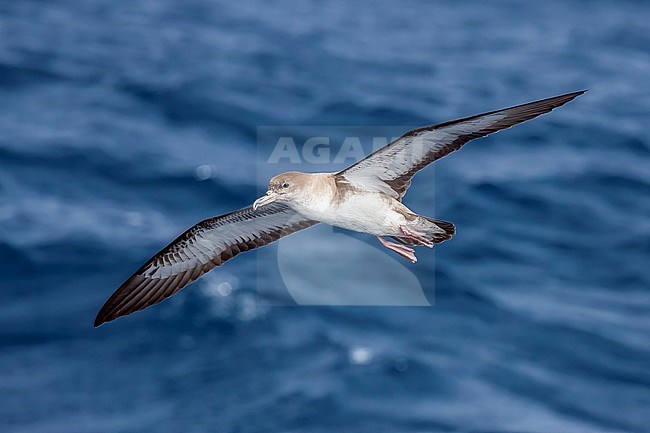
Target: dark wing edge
x=144, y=288
x=456, y=133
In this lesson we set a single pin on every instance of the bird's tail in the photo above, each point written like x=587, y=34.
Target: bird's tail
x=432, y=229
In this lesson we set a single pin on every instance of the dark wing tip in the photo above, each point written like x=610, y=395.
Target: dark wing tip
x=114, y=306
x=533, y=109
x=556, y=101
x=139, y=292
x=530, y=110
x=104, y=314
x=563, y=99
x=101, y=318
x=576, y=93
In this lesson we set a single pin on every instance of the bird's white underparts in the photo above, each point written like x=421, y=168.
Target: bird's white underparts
x=366, y=197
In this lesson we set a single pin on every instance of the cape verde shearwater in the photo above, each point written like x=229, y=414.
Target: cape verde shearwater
x=365, y=197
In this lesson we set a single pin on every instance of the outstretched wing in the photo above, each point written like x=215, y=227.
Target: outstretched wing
x=391, y=168
x=204, y=246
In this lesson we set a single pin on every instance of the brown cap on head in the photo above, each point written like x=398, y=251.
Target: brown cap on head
x=282, y=187
x=287, y=181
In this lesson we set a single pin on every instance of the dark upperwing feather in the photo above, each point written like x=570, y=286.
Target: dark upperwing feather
x=391, y=168
x=204, y=246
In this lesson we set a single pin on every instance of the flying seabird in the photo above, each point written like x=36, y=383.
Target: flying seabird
x=365, y=197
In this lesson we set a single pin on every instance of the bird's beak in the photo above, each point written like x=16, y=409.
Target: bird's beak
x=270, y=197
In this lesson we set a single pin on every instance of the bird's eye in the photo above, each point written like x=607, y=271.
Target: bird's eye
x=285, y=185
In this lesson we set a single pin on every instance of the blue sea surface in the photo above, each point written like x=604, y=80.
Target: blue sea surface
x=124, y=123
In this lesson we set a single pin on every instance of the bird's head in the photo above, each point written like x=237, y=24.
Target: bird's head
x=283, y=188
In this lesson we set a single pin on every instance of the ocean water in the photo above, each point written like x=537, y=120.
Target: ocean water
x=123, y=123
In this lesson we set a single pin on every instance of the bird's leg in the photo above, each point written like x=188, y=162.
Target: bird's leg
x=419, y=239
x=404, y=251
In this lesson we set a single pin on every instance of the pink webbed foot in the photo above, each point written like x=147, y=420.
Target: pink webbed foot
x=414, y=236
x=403, y=250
